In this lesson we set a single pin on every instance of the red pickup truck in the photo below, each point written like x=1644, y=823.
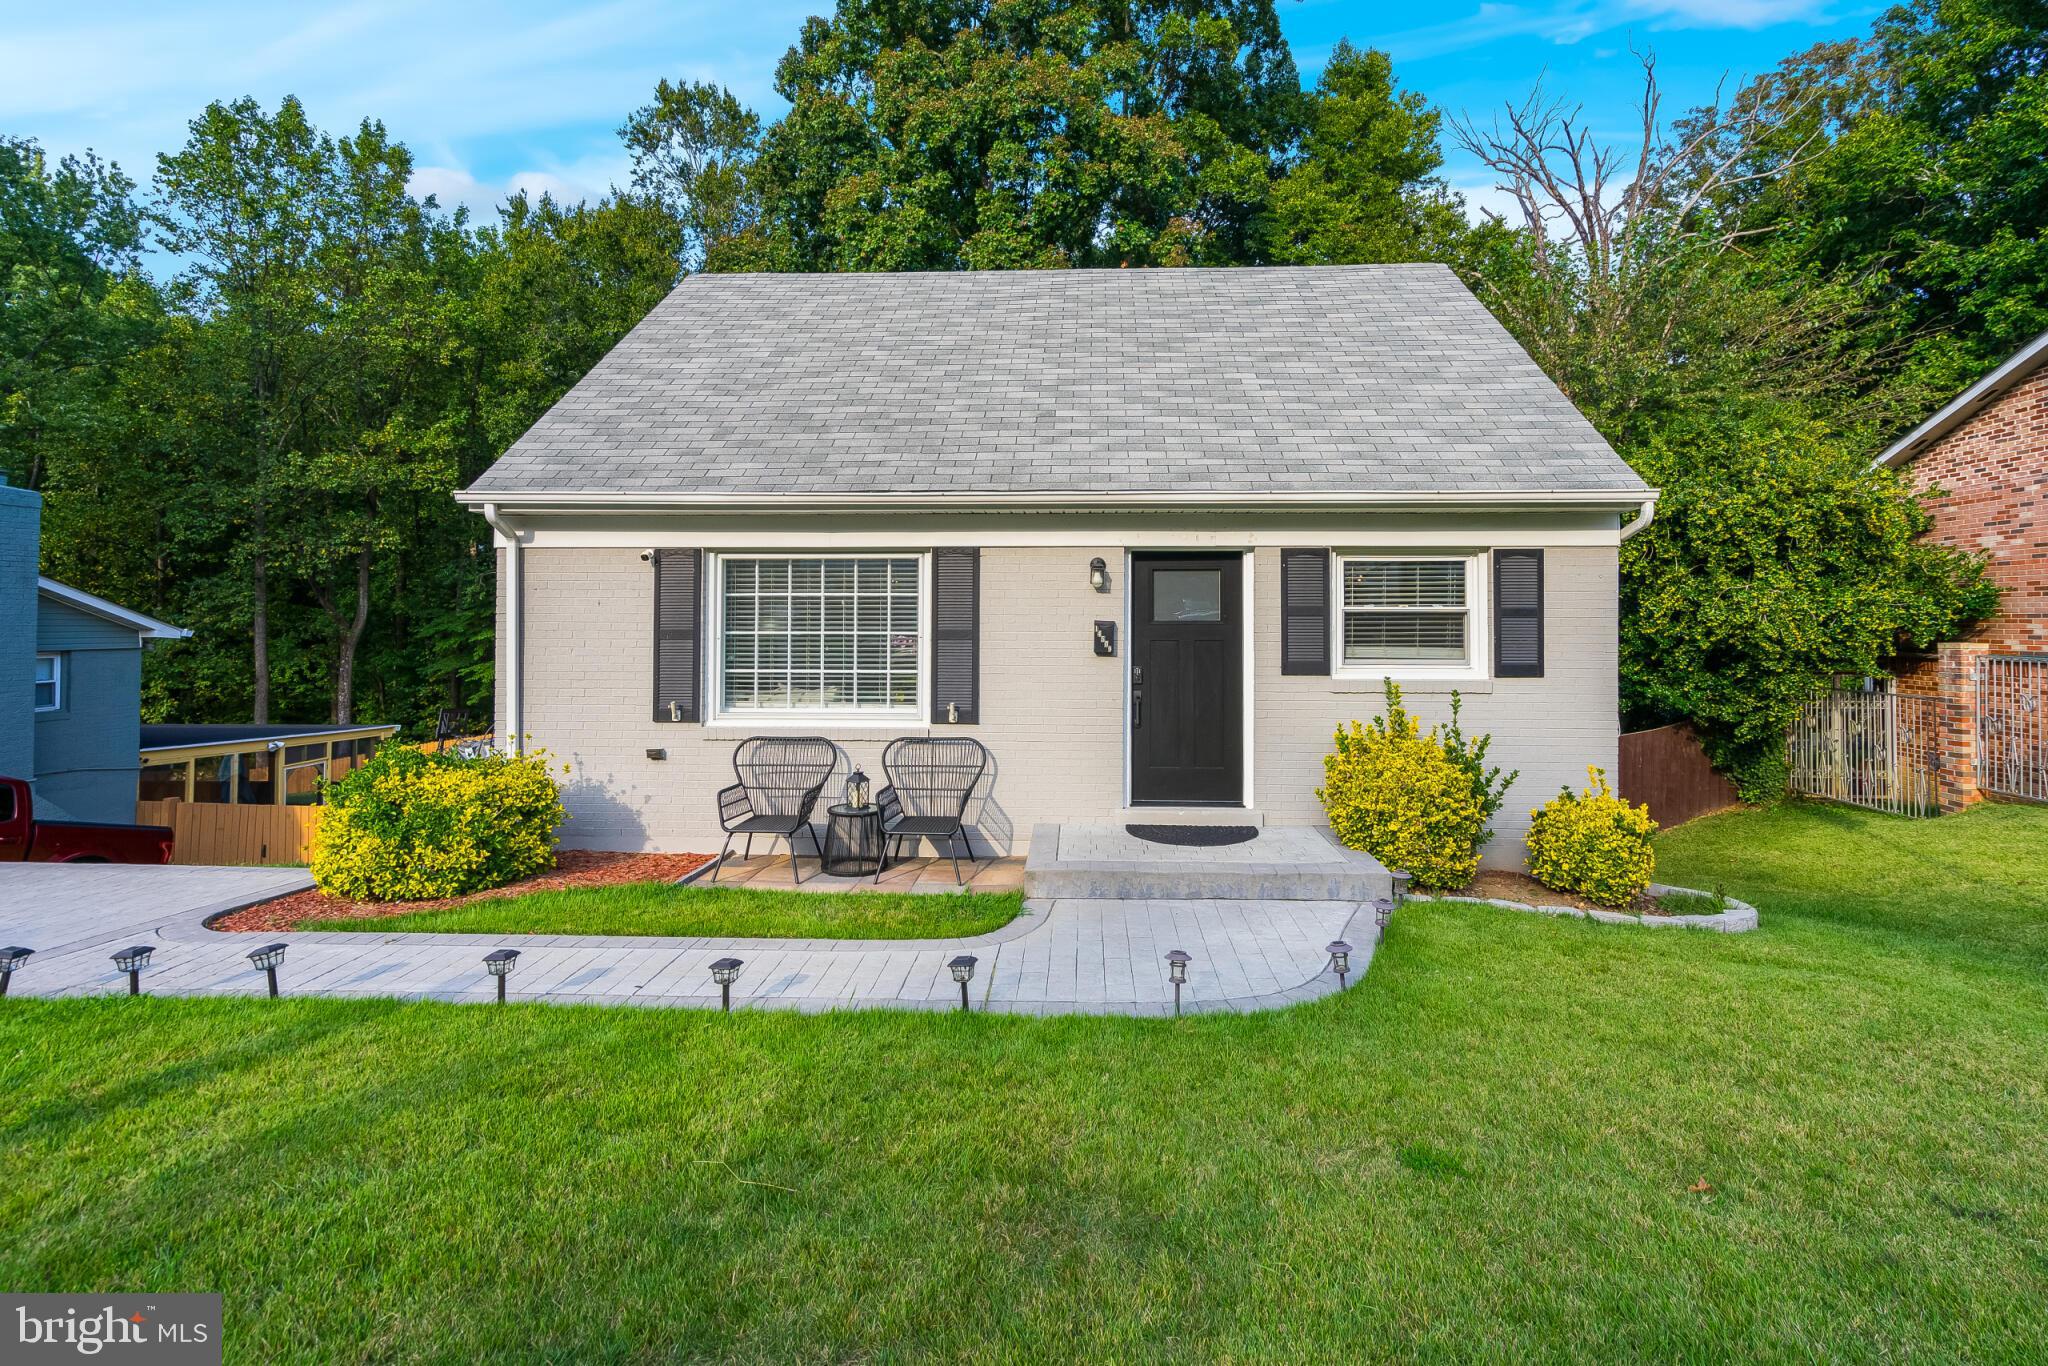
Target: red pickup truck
x=24, y=839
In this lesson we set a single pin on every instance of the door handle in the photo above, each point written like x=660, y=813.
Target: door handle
x=1137, y=708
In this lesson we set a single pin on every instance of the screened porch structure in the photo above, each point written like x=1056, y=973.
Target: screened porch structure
x=275, y=765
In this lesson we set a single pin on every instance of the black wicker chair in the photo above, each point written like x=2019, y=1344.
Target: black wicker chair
x=930, y=784
x=780, y=778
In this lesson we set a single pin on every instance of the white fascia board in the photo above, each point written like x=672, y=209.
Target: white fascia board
x=1967, y=404
x=148, y=627
x=1503, y=499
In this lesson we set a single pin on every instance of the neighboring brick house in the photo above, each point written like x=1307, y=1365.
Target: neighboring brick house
x=1986, y=456
x=1149, y=535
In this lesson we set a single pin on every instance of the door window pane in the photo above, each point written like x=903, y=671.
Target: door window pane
x=1187, y=595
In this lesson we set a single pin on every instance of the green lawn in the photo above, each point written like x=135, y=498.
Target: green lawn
x=1516, y=1137
x=743, y=912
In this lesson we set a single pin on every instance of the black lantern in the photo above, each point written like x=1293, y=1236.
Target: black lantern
x=1177, y=972
x=1401, y=881
x=723, y=972
x=857, y=790
x=11, y=958
x=267, y=958
x=963, y=973
x=1382, y=912
x=498, y=963
x=1098, y=575
x=1340, y=960
x=132, y=960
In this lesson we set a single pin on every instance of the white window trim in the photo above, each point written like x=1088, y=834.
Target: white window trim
x=1478, y=664
x=56, y=677
x=838, y=718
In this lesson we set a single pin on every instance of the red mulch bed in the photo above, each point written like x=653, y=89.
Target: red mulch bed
x=573, y=868
x=1505, y=886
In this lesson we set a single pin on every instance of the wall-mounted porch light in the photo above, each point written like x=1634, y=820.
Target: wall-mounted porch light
x=1098, y=574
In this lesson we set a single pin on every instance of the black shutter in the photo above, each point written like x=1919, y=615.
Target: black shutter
x=678, y=626
x=1518, y=613
x=956, y=636
x=1305, y=612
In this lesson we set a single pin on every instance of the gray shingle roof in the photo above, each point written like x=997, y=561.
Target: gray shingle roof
x=1348, y=379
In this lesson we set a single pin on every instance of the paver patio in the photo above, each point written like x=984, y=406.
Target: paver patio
x=1061, y=956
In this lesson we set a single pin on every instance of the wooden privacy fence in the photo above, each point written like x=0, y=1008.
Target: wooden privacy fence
x=1667, y=769
x=2012, y=726
x=1879, y=750
x=221, y=832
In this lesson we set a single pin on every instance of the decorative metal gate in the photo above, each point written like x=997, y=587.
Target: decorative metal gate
x=1873, y=749
x=2012, y=726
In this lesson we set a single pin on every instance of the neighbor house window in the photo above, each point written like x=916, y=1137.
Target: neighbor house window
x=819, y=633
x=1408, y=615
x=49, y=682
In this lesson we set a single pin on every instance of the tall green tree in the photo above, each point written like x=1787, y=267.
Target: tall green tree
x=943, y=134
x=73, y=304
x=1364, y=188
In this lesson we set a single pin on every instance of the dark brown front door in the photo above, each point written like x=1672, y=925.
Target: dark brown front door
x=1187, y=679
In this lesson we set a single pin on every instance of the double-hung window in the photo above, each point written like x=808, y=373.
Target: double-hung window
x=49, y=682
x=819, y=634
x=1412, y=615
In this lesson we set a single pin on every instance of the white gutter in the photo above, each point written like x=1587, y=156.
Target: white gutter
x=631, y=501
x=515, y=654
x=1641, y=519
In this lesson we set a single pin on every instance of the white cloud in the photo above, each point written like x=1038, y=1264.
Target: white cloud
x=1572, y=21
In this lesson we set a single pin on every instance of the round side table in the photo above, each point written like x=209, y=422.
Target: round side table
x=853, y=841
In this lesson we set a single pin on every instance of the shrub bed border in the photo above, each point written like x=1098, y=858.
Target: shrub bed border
x=1738, y=916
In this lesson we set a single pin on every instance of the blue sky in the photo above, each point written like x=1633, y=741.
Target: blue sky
x=509, y=93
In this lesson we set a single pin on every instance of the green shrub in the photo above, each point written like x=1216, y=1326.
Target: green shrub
x=1413, y=801
x=1593, y=843
x=409, y=825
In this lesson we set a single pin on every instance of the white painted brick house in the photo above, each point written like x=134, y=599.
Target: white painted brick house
x=864, y=506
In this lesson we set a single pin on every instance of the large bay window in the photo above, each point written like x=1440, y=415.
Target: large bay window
x=1412, y=615
x=819, y=634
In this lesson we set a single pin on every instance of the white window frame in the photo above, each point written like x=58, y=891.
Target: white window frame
x=56, y=681
x=836, y=718
x=1478, y=662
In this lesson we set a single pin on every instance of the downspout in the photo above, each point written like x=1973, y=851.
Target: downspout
x=1641, y=519
x=515, y=654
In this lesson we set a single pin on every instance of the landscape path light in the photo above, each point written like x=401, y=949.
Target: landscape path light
x=267, y=958
x=1340, y=960
x=1382, y=912
x=498, y=962
x=1177, y=972
x=963, y=973
x=11, y=957
x=132, y=960
x=724, y=971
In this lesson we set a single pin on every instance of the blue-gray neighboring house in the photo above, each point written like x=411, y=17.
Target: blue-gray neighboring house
x=70, y=680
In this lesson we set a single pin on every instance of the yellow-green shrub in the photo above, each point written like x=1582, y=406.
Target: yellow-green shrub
x=1412, y=801
x=1592, y=843
x=409, y=825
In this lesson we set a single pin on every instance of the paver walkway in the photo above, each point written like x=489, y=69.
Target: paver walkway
x=1061, y=956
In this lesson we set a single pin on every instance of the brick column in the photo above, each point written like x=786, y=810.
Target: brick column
x=1956, y=725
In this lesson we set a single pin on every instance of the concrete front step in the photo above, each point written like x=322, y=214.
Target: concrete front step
x=1100, y=861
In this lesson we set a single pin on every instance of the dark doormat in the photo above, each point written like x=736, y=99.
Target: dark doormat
x=1199, y=836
